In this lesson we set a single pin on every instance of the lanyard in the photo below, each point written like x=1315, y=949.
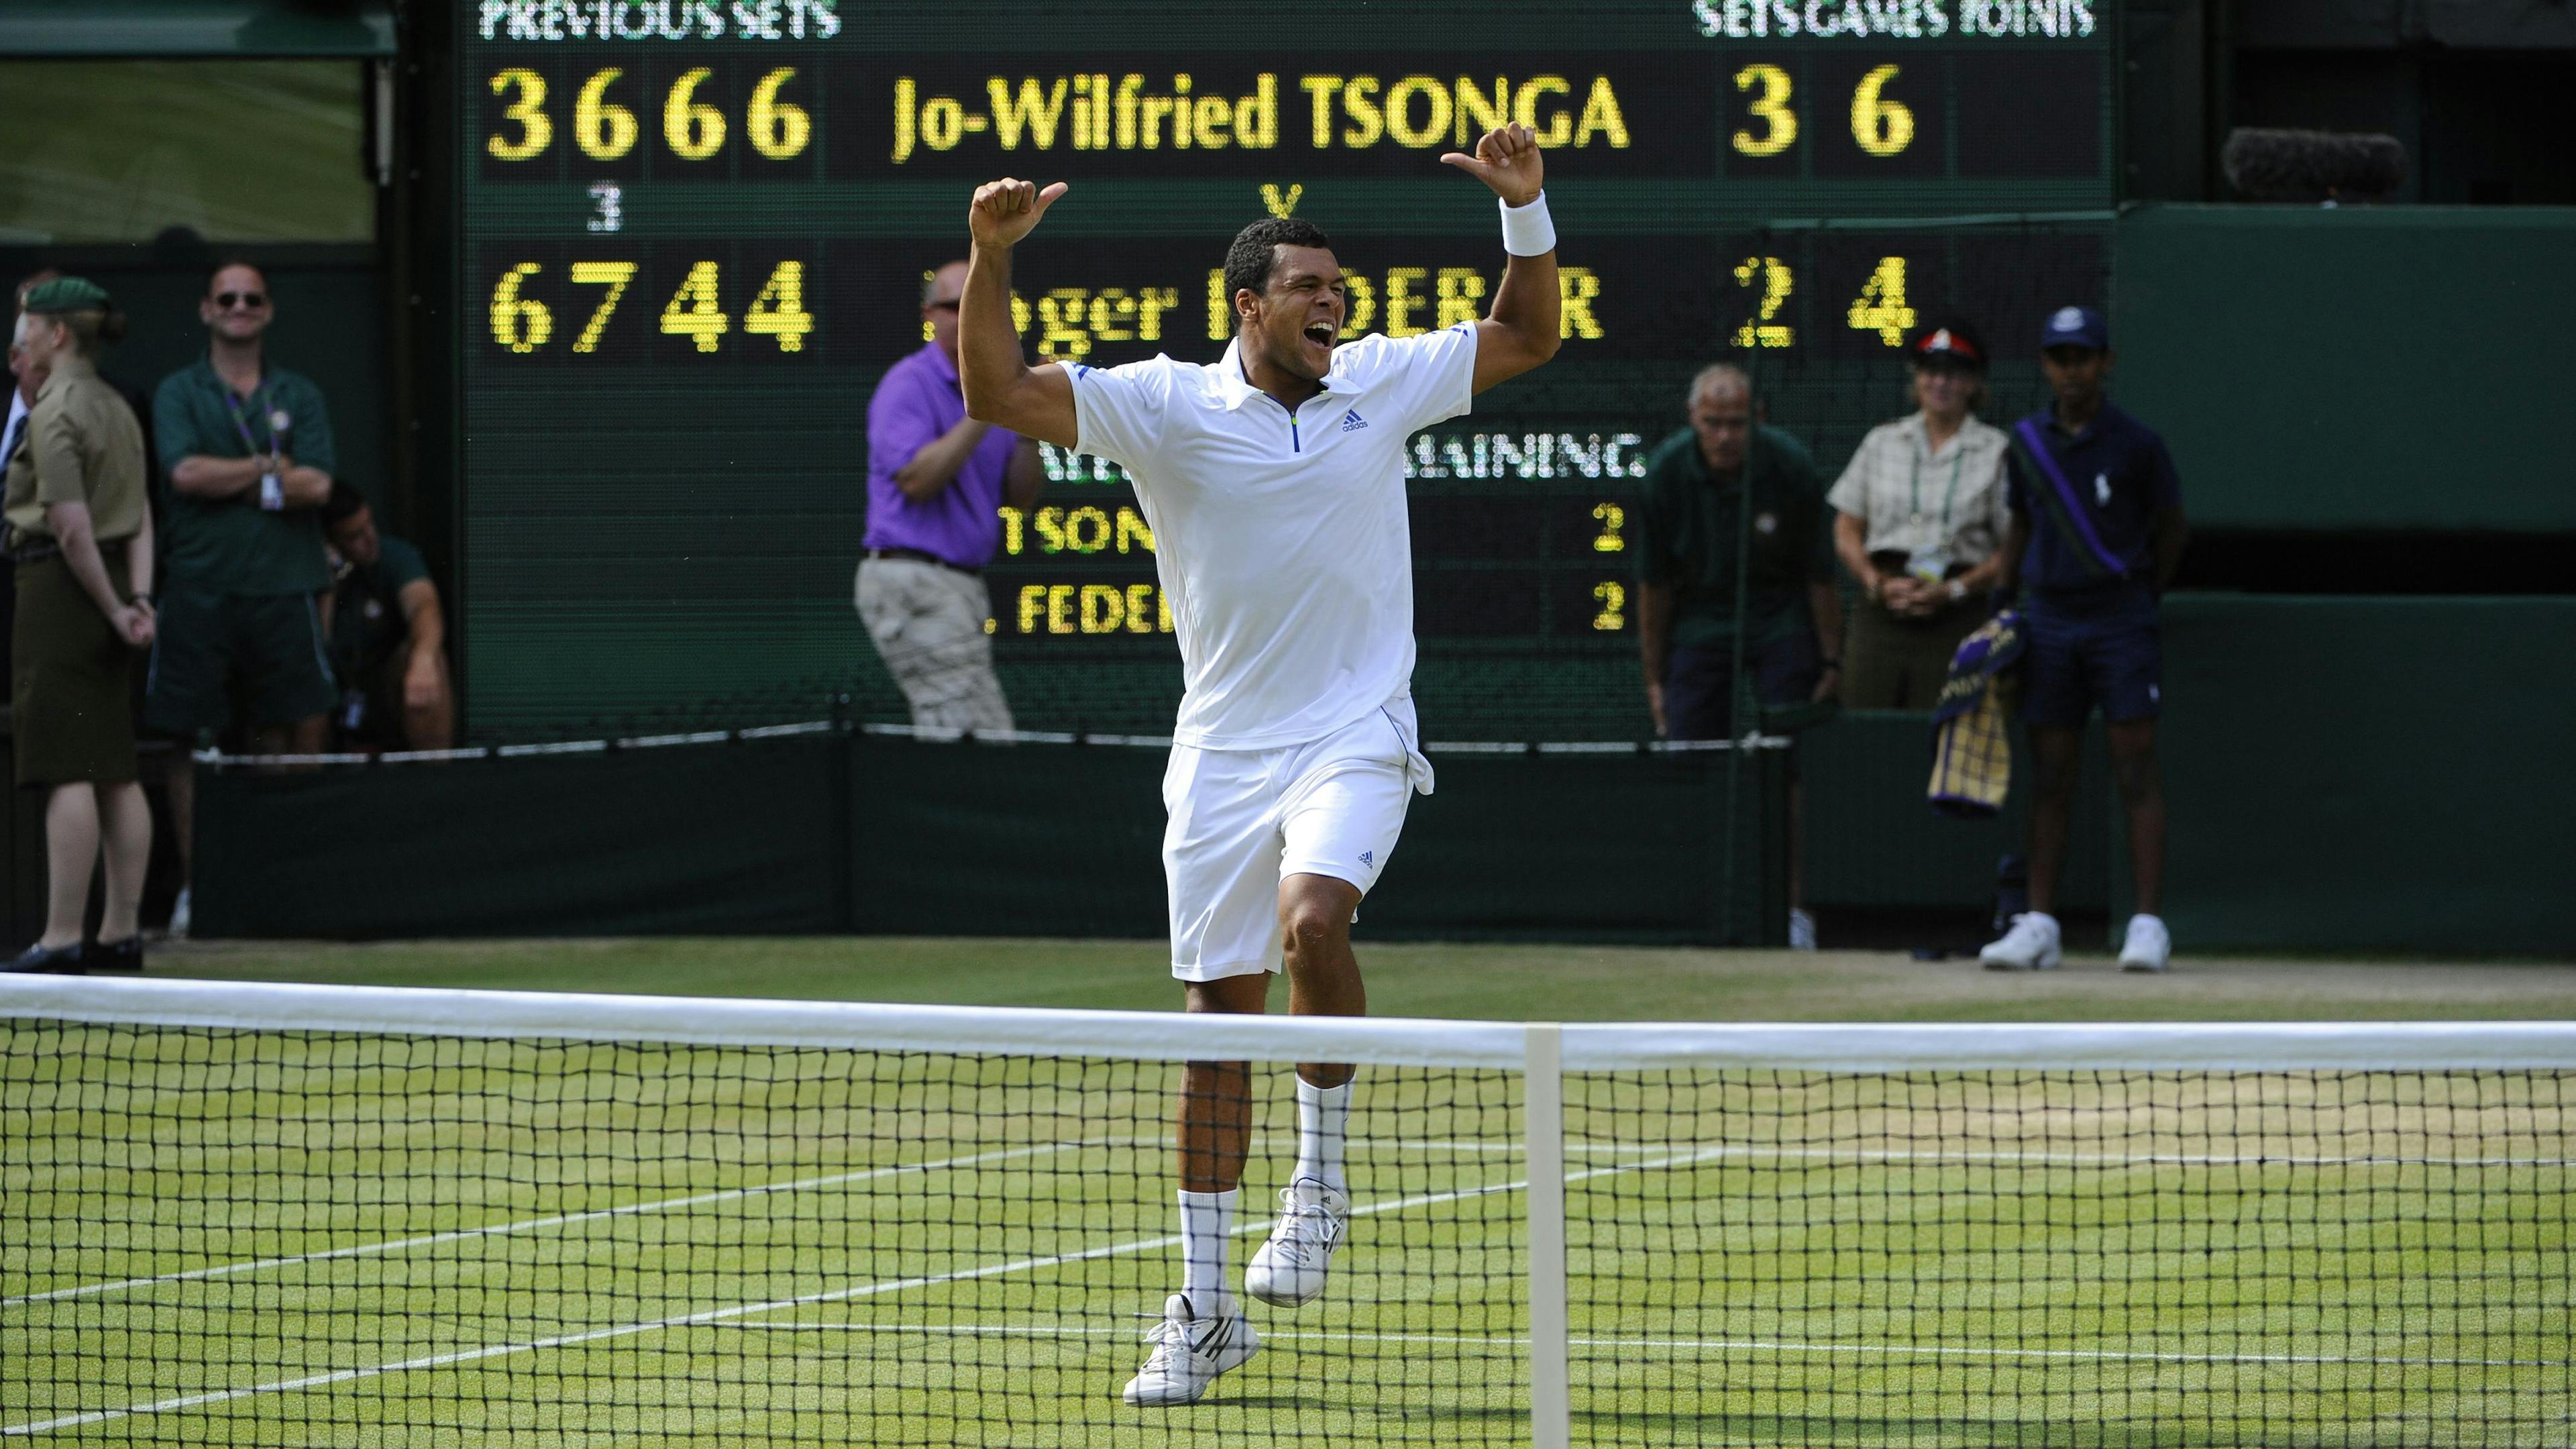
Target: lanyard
x=241, y=423
x=1914, y=485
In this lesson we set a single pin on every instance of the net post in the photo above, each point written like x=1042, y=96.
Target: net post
x=1543, y=1124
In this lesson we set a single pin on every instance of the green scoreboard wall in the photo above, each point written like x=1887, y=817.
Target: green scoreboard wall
x=690, y=237
x=2354, y=368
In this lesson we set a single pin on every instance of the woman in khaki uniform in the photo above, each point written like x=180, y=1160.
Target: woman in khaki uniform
x=1920, y=517
x=80, y=534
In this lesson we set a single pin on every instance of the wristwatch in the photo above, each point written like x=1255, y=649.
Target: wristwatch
x=1958, y=591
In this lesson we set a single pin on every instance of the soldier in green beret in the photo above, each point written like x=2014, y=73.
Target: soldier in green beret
x=80, y=534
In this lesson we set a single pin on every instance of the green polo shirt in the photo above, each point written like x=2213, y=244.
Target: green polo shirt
x=232, y=545
x=1686, y=537
x=367, y=622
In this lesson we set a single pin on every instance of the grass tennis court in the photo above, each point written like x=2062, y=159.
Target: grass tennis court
x=573, y=1244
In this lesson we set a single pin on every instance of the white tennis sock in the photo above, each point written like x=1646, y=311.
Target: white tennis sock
x=1323, y=1122
x=1206, y=1220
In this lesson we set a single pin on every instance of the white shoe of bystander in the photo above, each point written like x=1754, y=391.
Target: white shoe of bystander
x=2031, y=945
x=2148, y=946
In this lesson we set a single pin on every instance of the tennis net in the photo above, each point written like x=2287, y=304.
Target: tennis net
x=288, y=1215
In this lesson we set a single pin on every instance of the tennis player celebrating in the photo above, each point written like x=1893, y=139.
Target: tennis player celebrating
x=1273, y=479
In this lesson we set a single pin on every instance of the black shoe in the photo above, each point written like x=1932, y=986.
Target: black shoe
x=50, y=960
x=125, y=955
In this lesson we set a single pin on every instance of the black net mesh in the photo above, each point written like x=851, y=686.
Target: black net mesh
x=2071, y=1258
x=293, y=1238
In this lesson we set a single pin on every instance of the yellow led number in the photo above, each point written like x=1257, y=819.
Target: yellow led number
x=605, y=130
x=1771, y=107
x=778, y=130
x=535, y=131
x=1613, y=599
x=1883, y=127
x=1881, y=306
x=779, y=310
x=602, y=128
x=693, y=128
x=695, y=310
x=523, y=323
x=1776, y=283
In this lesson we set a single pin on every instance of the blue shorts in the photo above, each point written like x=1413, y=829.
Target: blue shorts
x=2072, y=663
x=1699, y=684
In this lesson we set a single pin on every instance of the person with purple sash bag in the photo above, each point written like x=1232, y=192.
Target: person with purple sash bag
x=2097, y=533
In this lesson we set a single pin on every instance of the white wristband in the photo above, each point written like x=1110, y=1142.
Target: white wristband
x=1527, y=231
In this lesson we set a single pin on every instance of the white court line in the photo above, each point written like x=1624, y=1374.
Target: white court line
x=1723, y=1152
x=523, y=1225
x=398, y=1245
x=1718, y=1345
x=1970, y=1157
x=743, y=1310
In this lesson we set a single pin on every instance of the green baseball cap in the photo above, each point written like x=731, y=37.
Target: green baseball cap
x=67, y=294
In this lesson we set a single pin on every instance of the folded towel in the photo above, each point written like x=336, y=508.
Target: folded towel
x=1971, y=750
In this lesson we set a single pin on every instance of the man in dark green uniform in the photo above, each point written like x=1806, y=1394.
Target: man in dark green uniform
x=250, y=460
x=388, y=636
x=1732, y=501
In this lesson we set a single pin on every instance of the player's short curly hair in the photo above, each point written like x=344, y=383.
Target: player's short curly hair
x=1256, y=250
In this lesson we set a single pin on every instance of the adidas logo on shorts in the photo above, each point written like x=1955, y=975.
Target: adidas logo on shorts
x=1352, y=422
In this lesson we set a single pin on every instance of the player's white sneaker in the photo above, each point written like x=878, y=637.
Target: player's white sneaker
x=1289, y=1270
x=1190, y=1349
x=2148, y=946
x=2031, y=945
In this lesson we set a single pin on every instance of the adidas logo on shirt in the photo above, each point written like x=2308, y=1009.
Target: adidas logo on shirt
x=1352, y=422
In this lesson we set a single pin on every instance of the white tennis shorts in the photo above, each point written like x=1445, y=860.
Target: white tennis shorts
x=1241, y=821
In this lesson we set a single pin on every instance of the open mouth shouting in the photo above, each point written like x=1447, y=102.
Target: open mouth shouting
x=1320, y=337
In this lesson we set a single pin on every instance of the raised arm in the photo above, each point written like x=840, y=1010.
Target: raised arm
x=1001, y=388
x=1522, y=329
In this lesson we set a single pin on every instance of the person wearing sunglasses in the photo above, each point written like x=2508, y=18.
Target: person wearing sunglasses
x=937, y=482
x=250, y=461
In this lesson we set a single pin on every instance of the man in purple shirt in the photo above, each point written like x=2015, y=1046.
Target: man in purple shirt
x=936, y=480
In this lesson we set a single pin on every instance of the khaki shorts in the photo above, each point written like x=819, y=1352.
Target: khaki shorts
x=928, y=624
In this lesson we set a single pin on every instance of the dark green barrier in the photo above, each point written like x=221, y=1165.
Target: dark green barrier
x=1611, y=848
x=710, y=840
x=2370, y=774
x=1874, y=844
x=2360, y=368
x=2343, y=774
x=1021, y=840
x=1058, y=841
x=888, y=836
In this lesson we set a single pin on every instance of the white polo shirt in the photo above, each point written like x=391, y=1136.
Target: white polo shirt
x=1280, y=537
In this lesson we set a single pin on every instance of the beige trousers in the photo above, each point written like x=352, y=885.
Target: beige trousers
x=928, y=624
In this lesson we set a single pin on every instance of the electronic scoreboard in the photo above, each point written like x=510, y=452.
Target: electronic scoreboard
x=692, y=235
